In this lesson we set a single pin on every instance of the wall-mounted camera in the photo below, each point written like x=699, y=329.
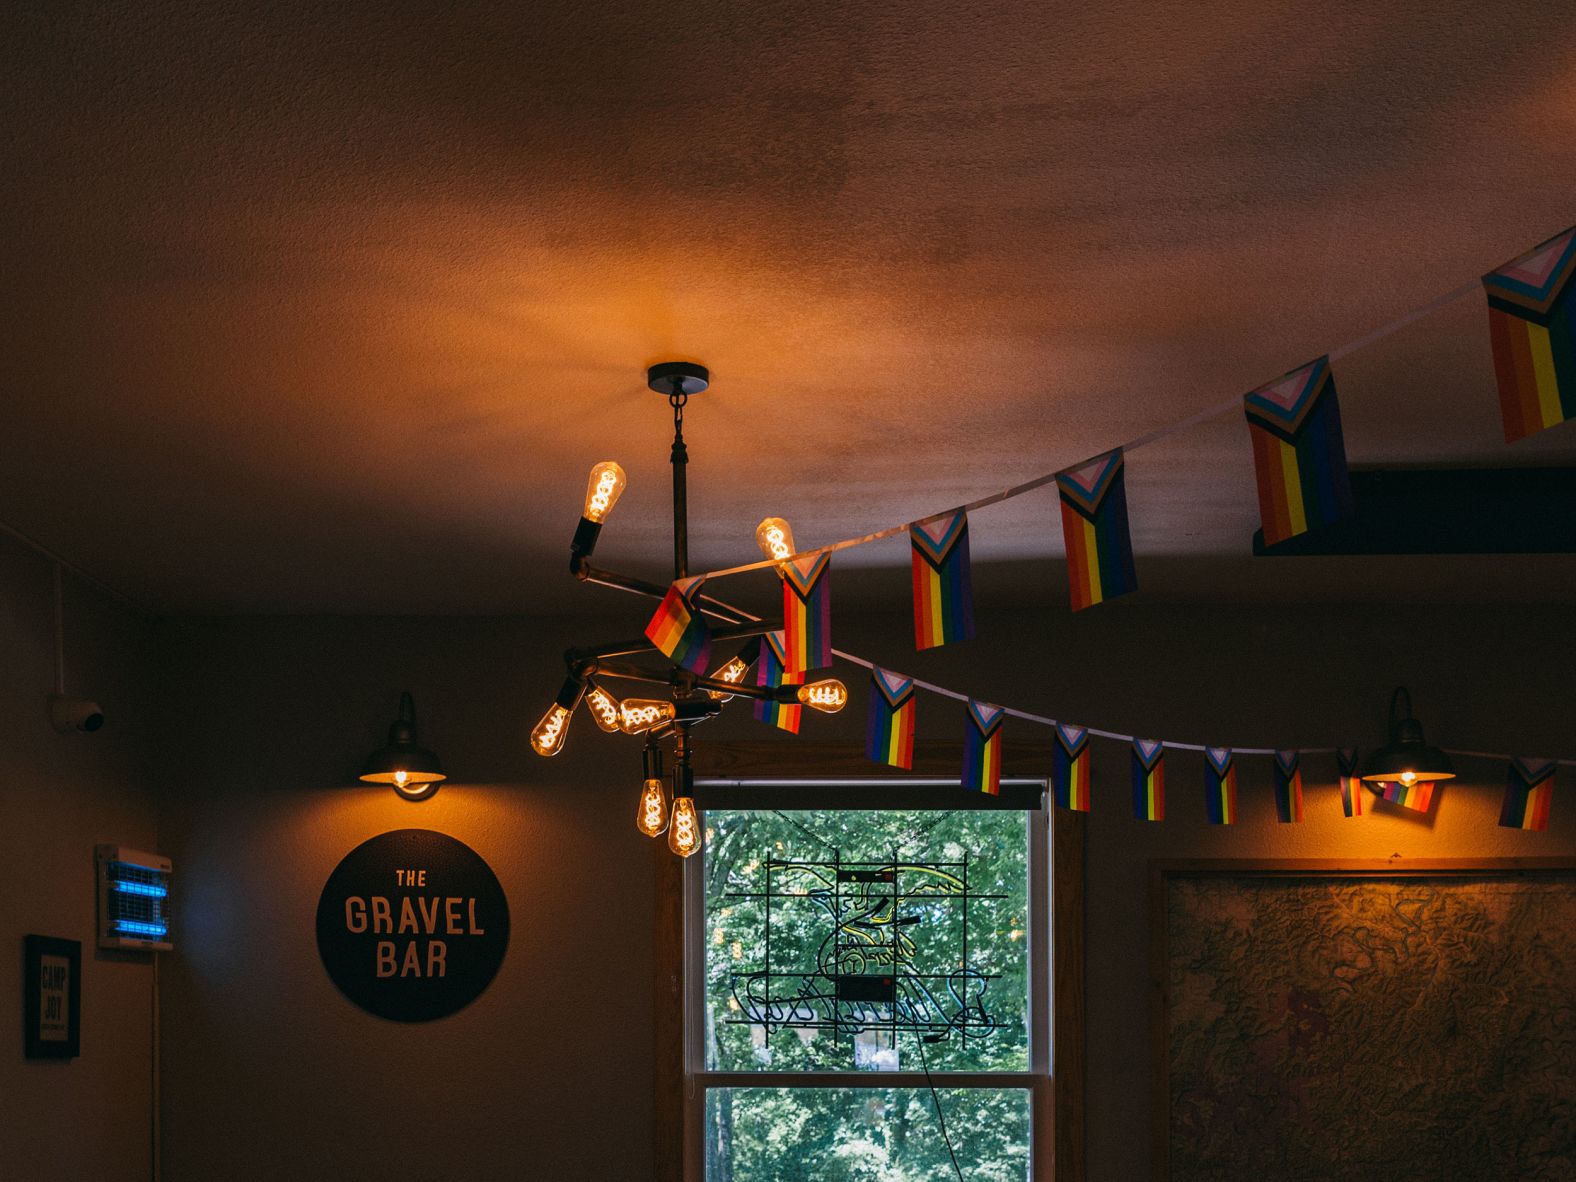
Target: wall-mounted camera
x=69, y=714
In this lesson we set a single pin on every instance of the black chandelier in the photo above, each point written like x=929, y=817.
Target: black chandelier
x=690, y=697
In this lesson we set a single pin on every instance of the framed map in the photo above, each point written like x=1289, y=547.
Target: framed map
x=1319, y=1020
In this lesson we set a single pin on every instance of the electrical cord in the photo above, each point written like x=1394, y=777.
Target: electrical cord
x=936, y=1100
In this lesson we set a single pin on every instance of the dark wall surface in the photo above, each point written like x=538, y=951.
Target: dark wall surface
x=269, y=1072
x=60, y=795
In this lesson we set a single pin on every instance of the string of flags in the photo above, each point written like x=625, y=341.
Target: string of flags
x=891, y=728
x=1299, y=457
x=890, y=731
x=1299, y=451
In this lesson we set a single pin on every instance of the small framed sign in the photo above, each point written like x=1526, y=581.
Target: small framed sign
x=51, y=997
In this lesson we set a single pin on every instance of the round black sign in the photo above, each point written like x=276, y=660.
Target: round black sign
x=412, y=925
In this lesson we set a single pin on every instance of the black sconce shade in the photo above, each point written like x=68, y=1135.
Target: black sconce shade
x=1406, y=758
x=403, y=763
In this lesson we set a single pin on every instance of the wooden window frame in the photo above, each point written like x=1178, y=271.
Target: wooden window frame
x=1057, y=1098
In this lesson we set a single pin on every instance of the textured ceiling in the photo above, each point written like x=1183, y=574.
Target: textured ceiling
x=312, y=307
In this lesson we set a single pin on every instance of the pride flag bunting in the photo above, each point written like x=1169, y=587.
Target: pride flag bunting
x=771, y=672
x=982, y=747
x=943, y=589
x=1528, y=788
x=678, y=628
x=1351, y=785
x=1533, y=329
x=807, y=612
x=1220, y=785
x=1288, y=787
x=889, y=735
x=1070, y=768
x=1299, y=455
x=1149, y=780
x=1094, y=529
x=1416, y=797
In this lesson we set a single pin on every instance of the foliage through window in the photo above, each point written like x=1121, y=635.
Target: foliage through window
x=893, y=942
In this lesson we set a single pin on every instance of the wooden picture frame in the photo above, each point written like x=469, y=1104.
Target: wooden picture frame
x=51, y=998
x=1350, y=1011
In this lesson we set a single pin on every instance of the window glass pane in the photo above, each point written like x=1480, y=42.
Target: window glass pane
x=865, y=1134
x=866, y=941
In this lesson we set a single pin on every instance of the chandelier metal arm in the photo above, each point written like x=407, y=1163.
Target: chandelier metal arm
x=627, y=648
x=623, y=671
x=587, y=573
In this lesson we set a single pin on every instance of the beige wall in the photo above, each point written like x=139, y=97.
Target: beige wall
x=269, y=1072
x=60, y=795
x=1481, y=679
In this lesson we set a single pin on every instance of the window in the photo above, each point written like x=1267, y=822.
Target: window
x=852, y=969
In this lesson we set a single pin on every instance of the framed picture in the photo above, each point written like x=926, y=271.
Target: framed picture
x=51, y=997
x=1317, y=1020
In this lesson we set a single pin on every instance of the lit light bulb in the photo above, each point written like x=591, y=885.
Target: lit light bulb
x=637, y=715
x=401, y=778
x=548, y=736
x=733, y=673
x=684, y=831
x=651, y=817
x=604, y=708
x=603, y=489
x=1408, y=777
x=775, y=538
x=828, y=696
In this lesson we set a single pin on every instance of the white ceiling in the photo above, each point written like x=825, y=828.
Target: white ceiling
x=316, y=308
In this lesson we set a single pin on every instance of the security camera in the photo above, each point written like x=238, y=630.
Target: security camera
x=74, y=714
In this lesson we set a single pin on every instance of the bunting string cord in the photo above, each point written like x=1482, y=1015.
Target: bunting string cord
x=1042, y=720
x=1154, y=436
x=721, y=611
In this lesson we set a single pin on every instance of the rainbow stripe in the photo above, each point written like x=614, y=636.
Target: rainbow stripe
x=1094, y=529
x=807, y=612
x=1351, y=785
x=1299, y=455
x=1288, y=787
x=770, y=673
x=1416, y=797
x=889, y=735
x=982, y=747
x=678, y=629
x=1533, y=329
x=1149, y=780
x=943, y=588
x=1220, y=785
x=1528, y=789
x=1070, y=768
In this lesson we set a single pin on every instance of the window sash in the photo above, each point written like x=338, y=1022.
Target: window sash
x=894, y=793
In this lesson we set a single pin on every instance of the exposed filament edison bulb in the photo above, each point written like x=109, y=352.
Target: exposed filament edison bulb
x=638, y=715
x=603, y=707
x=684, y=830
x=733, y=672
x=828, y=696
x=775, y=538
x=603, y=489
x=651, y=817
x=548, y=736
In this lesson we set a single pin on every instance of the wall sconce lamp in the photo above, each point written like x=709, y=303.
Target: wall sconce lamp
x=412, y=770
x=1406, y=758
